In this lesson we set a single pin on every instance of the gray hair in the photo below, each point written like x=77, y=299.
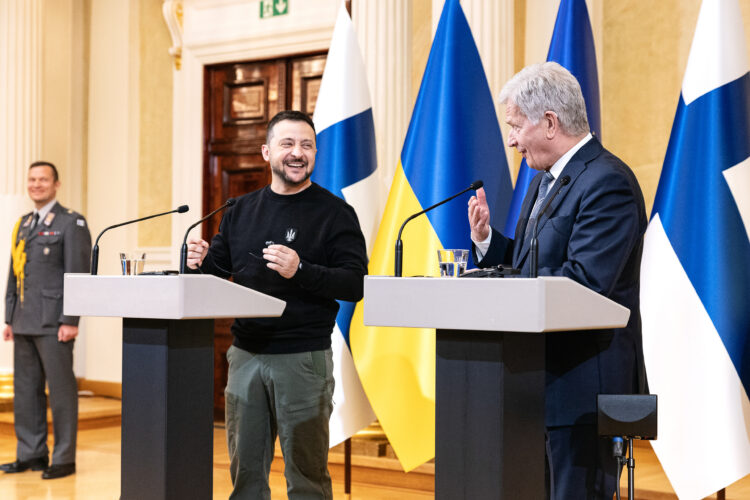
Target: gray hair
x=544, y=87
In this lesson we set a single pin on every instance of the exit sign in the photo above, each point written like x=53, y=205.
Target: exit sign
x=271, y=8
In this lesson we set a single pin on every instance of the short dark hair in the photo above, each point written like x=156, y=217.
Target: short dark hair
x=289, y=114
x=46, y=164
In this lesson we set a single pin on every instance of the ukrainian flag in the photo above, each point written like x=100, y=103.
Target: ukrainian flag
x=453, y=139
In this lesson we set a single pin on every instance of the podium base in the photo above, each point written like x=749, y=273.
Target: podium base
x=167, y=409
x=489, y=415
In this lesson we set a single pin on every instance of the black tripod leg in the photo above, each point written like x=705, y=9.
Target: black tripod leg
x=631, y=470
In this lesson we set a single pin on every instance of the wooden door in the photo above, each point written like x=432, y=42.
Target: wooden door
x=240, y=99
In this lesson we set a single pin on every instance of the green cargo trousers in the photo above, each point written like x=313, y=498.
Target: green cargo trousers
x=289, y=395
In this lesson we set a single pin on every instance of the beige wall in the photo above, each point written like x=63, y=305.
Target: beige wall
x=421, y=41
x=66, y=57
x=155, y=138
x=64, y=92
x=645, y=51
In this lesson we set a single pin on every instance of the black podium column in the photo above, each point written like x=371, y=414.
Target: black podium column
x=489, y=415
x=167, y=409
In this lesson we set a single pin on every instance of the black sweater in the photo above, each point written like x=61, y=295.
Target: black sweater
x=325, y=233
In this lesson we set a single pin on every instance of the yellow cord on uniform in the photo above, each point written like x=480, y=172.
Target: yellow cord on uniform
x=18, y=254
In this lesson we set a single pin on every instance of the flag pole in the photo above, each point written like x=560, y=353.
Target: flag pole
x=348, y=442
x=348, y=468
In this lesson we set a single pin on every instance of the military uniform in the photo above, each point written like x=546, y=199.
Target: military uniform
x=59, y=243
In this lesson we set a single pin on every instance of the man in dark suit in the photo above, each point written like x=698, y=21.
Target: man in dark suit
x=47, y=243
x=591, y=232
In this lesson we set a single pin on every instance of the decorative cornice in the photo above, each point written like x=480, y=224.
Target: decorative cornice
x=172, y=11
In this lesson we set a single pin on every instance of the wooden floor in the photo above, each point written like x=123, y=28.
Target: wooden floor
x=98, y=465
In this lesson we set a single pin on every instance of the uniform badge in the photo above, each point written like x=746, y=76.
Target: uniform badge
x=81, y=222
x=27, y=222
x=48, y=220
x=290, y=235
x=45, y=251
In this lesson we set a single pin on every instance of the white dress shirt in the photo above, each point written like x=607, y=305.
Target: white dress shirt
x=44, y=211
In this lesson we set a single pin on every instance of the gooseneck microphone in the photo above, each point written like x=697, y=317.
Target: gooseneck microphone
x=399, y=258
x=534, y=245
x=183, y=249
x=95, y=251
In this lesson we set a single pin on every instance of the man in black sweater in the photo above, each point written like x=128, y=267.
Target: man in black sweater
x=297, y=242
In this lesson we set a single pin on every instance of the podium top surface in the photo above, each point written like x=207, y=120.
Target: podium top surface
x=184, y=296
x=542, y=304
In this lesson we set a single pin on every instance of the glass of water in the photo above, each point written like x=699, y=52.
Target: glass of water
x=452, y=262
x=132, y=263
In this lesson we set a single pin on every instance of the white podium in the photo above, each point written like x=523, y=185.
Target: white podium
x=490, y=370
x=167, y=371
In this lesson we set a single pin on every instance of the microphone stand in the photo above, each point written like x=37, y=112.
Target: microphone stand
x=183, y=248
x=95, y=251
x=534, y=245
x=399, y=257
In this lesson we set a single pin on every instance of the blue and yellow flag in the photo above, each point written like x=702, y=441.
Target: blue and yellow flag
x=453, y=139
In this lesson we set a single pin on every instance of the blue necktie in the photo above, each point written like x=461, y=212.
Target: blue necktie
x=540, y=196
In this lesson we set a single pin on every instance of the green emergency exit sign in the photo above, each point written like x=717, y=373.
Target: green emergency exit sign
x=271, y=8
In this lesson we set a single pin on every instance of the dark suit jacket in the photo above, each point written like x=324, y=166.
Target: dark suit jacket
x=62, y=246
x=592, y=233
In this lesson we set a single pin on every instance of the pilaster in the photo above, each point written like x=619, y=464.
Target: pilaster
x=20, y=122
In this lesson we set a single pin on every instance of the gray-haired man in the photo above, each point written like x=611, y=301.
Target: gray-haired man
x=592, y=232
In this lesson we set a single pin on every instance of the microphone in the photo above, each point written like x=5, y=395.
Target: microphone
x=183, y=249
x=95, y=251
x=399, y=258
x=534, y=245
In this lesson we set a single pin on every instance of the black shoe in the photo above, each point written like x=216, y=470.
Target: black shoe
x=62, y=470
x=20, y=465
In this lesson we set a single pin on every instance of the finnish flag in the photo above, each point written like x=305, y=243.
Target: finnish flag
x=695, y=275
x=346, y=165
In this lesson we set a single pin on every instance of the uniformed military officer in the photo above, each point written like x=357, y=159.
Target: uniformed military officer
x=47, y=243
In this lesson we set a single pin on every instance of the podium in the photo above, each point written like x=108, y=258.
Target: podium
x=490, y=370
x=167, y=371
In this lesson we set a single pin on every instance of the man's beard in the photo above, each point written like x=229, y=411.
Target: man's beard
x=281, y=174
